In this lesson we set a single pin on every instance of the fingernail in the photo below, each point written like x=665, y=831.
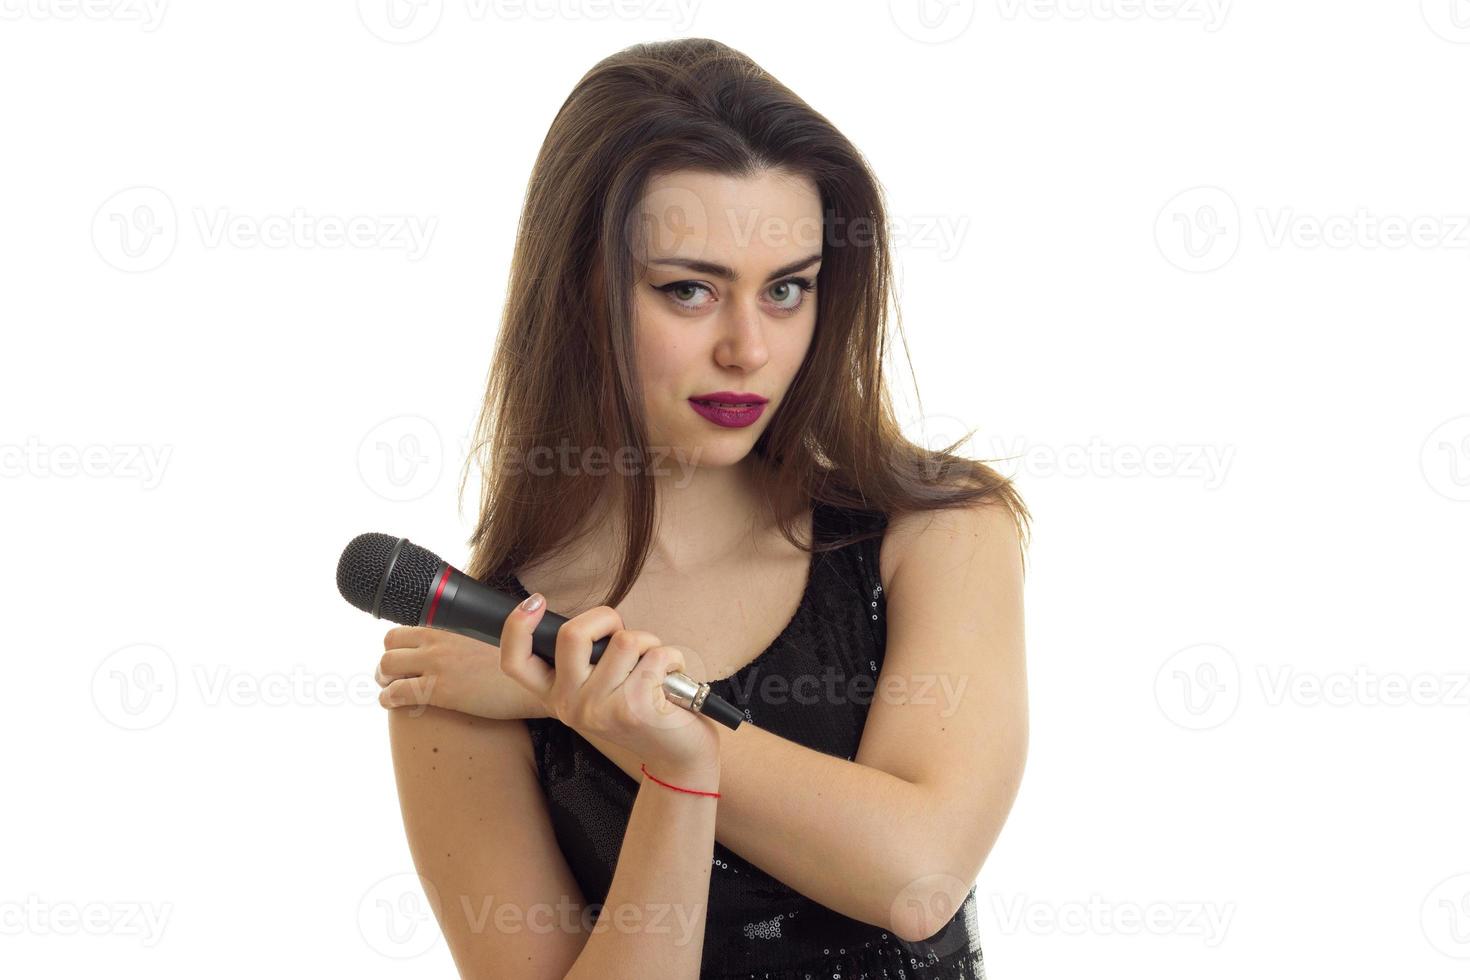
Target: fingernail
x=532, y=602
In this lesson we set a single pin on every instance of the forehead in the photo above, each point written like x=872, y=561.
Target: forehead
x=744, y=222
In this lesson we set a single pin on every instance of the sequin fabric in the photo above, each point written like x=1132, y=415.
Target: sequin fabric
x=756, y=927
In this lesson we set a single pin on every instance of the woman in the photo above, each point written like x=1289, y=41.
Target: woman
x=693, y=232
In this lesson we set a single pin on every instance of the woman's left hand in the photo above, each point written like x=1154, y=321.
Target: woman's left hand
x=422, y=665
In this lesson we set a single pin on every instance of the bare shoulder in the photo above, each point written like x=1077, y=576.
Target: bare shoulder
x=989, y=522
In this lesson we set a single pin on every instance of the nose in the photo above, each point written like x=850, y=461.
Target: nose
x=742, y=340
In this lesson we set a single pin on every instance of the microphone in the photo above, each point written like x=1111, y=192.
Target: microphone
x=395, y=579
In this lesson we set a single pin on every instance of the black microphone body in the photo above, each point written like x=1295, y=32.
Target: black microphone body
x=395, y=579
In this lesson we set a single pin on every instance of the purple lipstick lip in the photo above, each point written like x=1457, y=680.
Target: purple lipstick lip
x=730, y=418
x=730, y=397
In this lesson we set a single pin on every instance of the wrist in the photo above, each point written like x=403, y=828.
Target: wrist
x=703, y=778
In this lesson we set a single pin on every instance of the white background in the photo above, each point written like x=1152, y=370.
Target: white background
x=1200, y=267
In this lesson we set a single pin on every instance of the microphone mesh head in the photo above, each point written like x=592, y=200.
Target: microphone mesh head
x=365, y=560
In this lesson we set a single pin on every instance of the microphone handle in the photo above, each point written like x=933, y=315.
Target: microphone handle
x=460, y=604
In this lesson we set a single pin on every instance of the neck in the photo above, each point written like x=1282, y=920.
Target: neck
x=702, y=516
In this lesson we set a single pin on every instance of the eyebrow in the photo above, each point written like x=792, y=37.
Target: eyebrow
x=725, y=272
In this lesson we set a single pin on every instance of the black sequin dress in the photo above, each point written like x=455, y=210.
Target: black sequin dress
x=756, y=927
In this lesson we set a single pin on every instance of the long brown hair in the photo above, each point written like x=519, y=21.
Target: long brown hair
x=563, y=372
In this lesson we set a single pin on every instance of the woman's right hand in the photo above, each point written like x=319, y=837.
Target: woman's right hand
x=620, y=698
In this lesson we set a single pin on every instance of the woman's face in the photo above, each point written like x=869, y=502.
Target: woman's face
x=725, y=303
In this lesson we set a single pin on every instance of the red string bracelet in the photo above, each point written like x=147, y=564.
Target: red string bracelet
x=696, y=792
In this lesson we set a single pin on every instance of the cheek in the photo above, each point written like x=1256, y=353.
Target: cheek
x=662, y=353
x=790, y=347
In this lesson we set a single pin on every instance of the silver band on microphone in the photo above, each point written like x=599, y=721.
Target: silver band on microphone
x=685, y=691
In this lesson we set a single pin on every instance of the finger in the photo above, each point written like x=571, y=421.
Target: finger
x=399, y=663
x=404, y=636
x=574, y=649
x=516, y=659
x=644, y=686
x=618, y=661
x=406, y=691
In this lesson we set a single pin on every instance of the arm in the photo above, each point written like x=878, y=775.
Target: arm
x=504, y=897
x=911, y=820
x=660, y=890
x=848, y=816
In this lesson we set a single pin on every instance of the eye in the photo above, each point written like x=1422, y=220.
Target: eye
x=792, y=290
x=788, y=293
x=675, y=290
